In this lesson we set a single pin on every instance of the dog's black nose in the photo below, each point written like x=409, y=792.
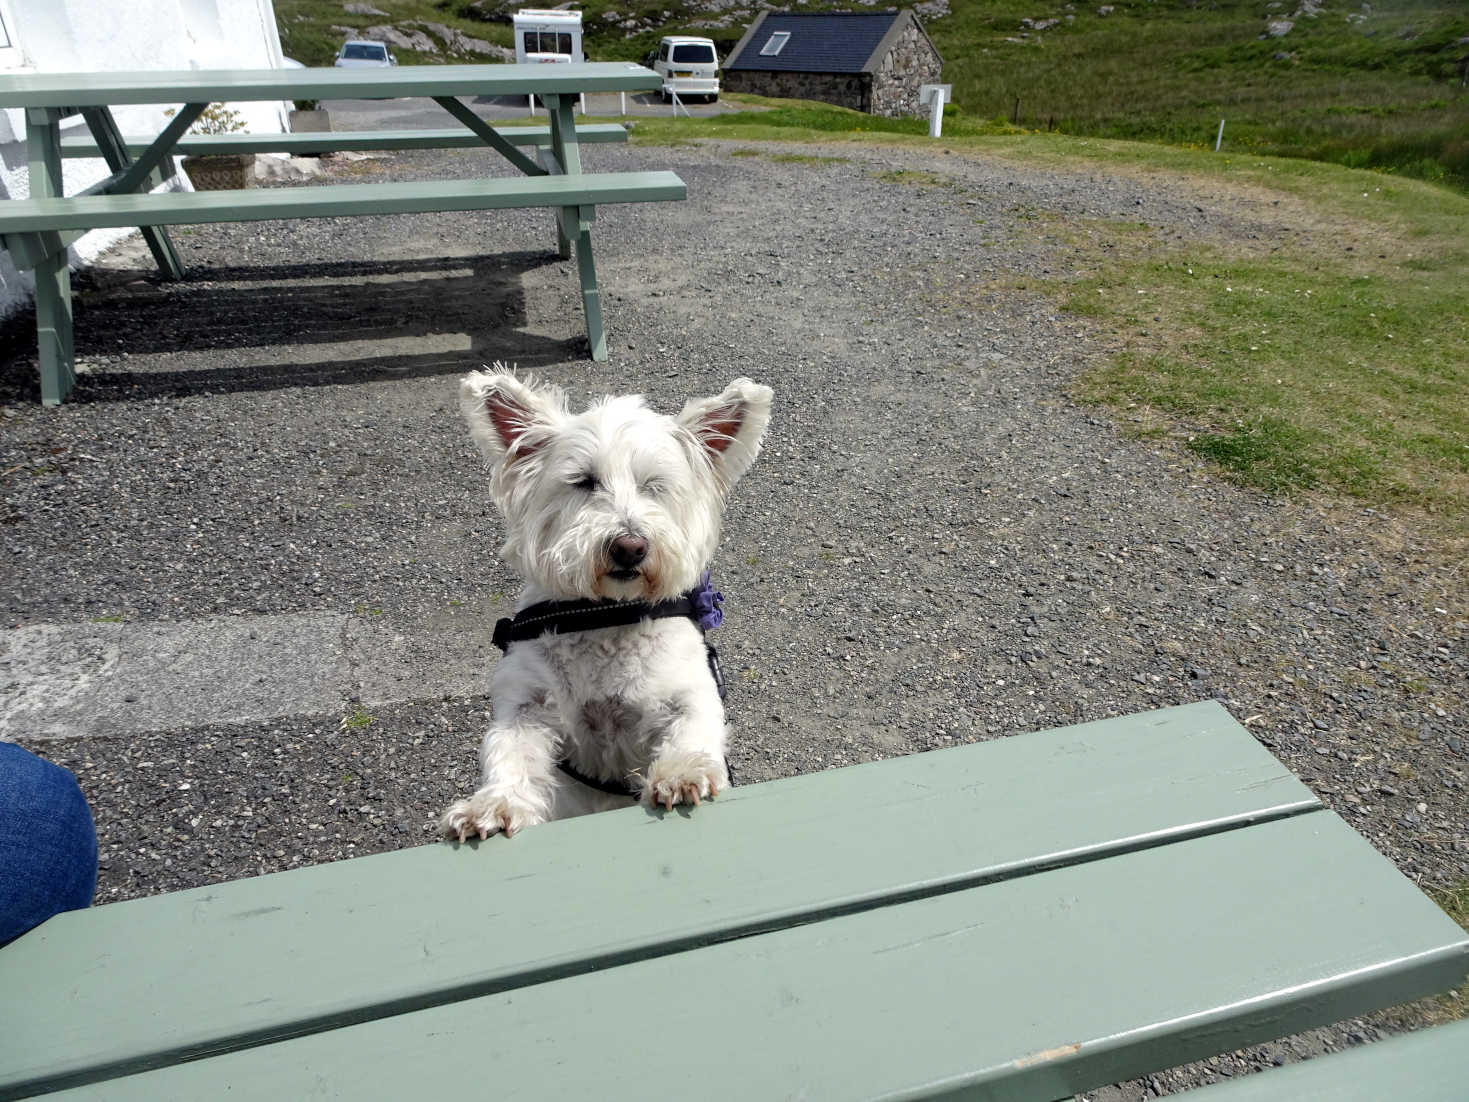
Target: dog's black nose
x=629, y=551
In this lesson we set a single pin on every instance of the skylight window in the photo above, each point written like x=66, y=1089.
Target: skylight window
x=775, y=43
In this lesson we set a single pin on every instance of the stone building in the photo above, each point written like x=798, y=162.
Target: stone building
x=868, y=61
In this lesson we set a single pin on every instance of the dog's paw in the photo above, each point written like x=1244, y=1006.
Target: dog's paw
x=484, y=814
x=685, y=778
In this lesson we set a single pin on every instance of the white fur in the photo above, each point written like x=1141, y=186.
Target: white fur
x=633, y=703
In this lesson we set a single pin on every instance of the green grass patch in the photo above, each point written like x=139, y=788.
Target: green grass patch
x=766, y=119
x=1291, y=374
x=806, y=159
x=357, y=718
x=1454, y=899
x=788, y=158
x=1269, y=452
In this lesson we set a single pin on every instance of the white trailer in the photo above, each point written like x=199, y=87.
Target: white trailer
x=547, y=36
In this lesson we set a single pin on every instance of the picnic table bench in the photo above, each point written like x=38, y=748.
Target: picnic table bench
x=1020, y=919
x=38, y=230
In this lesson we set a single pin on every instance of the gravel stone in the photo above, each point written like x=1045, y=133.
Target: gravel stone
x=938, y=545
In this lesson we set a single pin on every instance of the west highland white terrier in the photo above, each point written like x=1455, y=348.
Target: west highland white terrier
x=607, y=693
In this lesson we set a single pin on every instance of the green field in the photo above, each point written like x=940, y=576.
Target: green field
x=1369, y=86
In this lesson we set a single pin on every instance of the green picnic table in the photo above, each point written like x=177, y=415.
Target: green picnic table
x=38, y=230
x=1019, y=919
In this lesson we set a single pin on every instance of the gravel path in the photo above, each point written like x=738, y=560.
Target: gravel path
x=936, y=546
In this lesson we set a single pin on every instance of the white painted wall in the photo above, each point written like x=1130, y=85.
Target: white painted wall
x=69, y=36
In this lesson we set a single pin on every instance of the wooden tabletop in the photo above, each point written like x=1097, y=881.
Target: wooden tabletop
x=106, y=89
x=1032, y=916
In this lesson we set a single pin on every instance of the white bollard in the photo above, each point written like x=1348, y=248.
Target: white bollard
x=935, y=95
x=1219, y=138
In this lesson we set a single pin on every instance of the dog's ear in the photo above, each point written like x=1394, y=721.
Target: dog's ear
x=728, y=428
x=509, y=418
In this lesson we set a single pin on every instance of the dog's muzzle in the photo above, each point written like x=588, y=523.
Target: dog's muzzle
x=627, y=554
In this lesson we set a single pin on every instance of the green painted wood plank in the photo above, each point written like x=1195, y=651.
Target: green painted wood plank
x=212, y=968
x=369, y=140
x=102, y=89
x=1431, y=1065
x=336, y=200
x=1032, y=988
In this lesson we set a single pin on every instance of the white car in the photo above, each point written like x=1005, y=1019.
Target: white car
x=362, y=54
x=688, y=65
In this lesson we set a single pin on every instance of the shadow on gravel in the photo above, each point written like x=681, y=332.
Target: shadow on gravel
x=272, y=327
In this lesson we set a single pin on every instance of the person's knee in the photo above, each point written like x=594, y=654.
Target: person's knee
x=48, y=843
x=76, y=826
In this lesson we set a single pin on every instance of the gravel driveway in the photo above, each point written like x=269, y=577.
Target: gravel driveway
x=936, y=546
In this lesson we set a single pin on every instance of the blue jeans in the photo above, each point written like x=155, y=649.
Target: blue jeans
x=48, y=845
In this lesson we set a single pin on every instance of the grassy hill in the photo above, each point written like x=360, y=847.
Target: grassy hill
x=1379, y=85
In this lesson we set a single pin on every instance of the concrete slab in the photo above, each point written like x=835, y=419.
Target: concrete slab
x=60, y=680
x=102, y=679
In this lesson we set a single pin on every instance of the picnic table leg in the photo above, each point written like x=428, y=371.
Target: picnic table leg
x=54, y=347
x=586, y=270
x=114, y=151
x=548, y=162
x=575, y=222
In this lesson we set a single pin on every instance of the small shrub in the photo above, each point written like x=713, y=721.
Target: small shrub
x=215, y=119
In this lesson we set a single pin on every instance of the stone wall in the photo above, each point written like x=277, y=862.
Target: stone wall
x=911, y=62
x=843, y=89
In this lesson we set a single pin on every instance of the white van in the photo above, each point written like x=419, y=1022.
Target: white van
x=688, y=66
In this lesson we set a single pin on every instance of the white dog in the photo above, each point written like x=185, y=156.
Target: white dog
x=607, y=692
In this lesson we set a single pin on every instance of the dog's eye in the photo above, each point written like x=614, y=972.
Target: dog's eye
x=587, y=483
x=654, y=486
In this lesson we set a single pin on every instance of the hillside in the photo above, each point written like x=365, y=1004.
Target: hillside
x=1379, y=85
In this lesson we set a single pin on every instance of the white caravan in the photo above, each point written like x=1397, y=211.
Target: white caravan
x=547, y=36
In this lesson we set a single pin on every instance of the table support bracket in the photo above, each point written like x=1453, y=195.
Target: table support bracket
x=129, y=174
x=489, y=135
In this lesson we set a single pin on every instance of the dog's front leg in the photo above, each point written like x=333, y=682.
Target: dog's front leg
x=688, y=763
x=517, y=761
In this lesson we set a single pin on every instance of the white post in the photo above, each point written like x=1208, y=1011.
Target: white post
x=1219, y=138
x=622, y=103
x=934, y=95
x=677, y=103
x=530, y=101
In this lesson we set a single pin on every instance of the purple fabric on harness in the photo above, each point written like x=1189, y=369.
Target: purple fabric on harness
x=706, y=602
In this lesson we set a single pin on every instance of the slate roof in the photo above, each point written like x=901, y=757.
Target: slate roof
x=829, y=42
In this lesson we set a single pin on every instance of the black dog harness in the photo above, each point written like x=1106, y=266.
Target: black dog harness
x=700, y=604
